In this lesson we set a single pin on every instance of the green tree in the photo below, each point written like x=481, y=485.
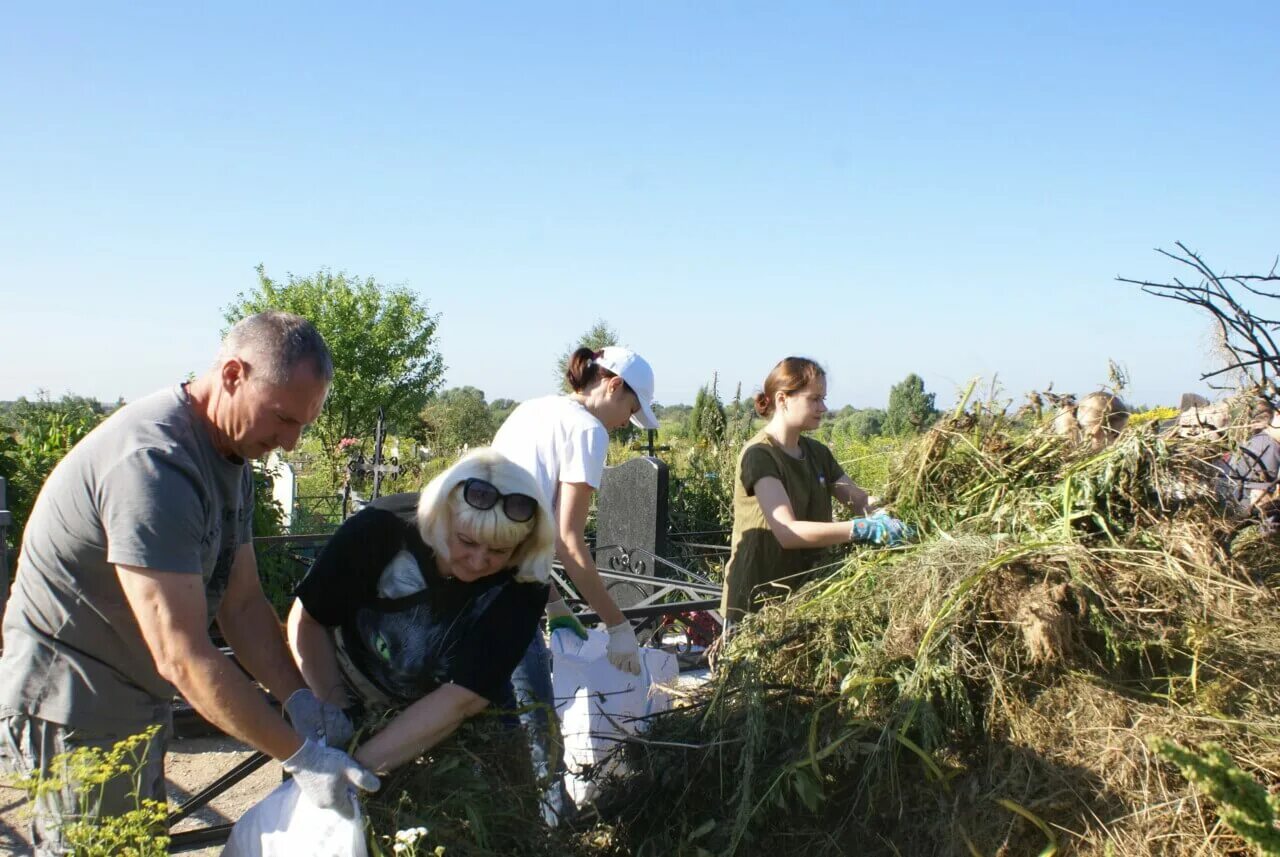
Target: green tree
x=277, y=569
x=864, y=423
x=383, y=341
x=707, y=421
x=456, y=418
x=499, y=410
x=911, y=409
x=598, y=336
x=34, y=436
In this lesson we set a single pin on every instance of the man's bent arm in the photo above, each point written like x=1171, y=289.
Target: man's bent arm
x=251, y=626
x=171, y=612
x=317, y=659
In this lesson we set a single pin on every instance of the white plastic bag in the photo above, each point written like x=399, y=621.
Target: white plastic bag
x=286, y=823
x=597, y=703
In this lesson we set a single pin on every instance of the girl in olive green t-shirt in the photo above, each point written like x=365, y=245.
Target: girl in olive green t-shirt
x=782, y=494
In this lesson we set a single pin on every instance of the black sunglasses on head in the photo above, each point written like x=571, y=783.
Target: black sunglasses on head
x=480, y=494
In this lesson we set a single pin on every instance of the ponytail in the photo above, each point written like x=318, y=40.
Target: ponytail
x=583, y=370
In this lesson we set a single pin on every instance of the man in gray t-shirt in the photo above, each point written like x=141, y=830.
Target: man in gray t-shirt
x=140, y=538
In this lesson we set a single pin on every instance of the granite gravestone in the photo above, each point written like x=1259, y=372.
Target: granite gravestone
x=631, y=514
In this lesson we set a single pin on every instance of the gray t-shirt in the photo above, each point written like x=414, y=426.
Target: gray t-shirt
x=148, y=489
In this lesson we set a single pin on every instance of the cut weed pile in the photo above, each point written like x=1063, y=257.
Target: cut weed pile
x=990, y=690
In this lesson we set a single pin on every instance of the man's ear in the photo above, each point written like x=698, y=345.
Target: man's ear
x=234, y=373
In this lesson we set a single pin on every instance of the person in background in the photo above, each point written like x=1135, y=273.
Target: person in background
x=782, y=493
x=426, y=603
x=140, y=538
x=1254, y=471
x=563, y=441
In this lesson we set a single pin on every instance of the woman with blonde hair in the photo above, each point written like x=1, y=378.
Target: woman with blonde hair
x=782, y=494
x=426, y=602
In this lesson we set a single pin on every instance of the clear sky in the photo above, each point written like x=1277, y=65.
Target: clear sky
x=946, y=189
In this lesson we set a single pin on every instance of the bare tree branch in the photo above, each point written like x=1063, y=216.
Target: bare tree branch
x=1249, y=338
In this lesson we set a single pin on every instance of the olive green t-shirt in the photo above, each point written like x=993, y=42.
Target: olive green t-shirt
x=756, y=557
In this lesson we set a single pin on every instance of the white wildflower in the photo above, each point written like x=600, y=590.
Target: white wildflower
x=406, y=842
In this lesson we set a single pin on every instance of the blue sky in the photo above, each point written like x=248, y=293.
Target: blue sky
x=933, y=188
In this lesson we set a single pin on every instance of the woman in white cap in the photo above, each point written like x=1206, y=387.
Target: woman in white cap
x=563, y=440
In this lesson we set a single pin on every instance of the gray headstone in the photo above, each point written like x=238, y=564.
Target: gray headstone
x=631, y=513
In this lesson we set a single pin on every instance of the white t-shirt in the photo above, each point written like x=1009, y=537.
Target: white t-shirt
x=557, y=440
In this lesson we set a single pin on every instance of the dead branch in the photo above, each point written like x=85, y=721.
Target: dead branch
x=1247, y=336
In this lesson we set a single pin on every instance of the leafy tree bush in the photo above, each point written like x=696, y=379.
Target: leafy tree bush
x=865, y=423
x=34, y=436
x=457, y=418
x=383, y=340
x=911, y=409
x=499, y=410
x=707, y=420
x=597, y=336
x=701, y=489
x=278, y=571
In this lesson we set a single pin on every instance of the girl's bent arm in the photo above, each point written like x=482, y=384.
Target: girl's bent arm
x=791, y=533
x=571, y=549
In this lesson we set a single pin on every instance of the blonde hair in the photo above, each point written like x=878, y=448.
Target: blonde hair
x=1101, y=416
x=441, y=508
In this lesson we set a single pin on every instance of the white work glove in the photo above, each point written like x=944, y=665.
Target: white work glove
x=623, y=650
x=322, y=721
x=326, y=776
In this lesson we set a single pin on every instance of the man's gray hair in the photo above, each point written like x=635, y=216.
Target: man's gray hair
x=273, y=343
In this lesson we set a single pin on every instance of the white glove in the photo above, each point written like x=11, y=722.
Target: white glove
x=312, y=718
x=623, y=650
x=326, y=776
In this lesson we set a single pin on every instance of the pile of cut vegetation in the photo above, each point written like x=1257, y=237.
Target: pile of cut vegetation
x=1077, y=656
x=992, y=689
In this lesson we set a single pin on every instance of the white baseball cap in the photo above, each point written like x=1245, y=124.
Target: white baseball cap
x=635, y=370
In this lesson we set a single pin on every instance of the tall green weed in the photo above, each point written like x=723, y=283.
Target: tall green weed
x=140, y=832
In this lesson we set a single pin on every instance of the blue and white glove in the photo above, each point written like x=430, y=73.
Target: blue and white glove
x=881, y=529
x=326, y=776
x=321, y=721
